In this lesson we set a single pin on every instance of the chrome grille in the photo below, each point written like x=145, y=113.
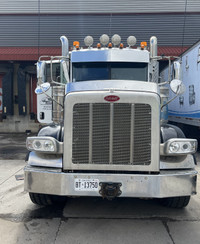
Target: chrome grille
x=107, y=133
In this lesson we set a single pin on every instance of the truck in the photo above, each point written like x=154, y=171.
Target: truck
x=185, y=111
x=105, y=133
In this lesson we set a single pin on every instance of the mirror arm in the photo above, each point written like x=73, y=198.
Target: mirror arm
x=44, y=92
x=163, y=83
x=169, y=101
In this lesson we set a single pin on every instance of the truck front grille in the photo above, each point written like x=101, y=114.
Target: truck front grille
x=107, y=133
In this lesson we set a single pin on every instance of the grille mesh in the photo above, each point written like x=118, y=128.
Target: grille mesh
x=104, y=135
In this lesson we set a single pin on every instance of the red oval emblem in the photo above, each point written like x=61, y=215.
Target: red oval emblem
x=111, y=98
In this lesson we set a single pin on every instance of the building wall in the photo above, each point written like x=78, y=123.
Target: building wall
x=42, y=22
x=26, y=31
x=91, y=6
x=28, y=27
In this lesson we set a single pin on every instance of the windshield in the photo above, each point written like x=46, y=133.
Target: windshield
x=109, y=71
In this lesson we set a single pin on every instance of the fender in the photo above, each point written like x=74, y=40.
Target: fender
x=56, y=131
x=170, y=131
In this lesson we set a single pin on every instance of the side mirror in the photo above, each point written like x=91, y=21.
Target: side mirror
x=177, y=70
x=41, y=72
x=177, y=86
x=42, y=88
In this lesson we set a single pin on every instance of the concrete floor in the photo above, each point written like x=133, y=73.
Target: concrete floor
x=87, y=220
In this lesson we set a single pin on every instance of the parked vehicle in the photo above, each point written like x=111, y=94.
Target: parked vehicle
x=185, y=111
x=105, y=137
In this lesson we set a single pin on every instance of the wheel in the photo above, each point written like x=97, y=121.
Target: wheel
x=175, y=202
x=46, y=199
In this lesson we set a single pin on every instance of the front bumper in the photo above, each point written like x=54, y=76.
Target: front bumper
x=166, y=184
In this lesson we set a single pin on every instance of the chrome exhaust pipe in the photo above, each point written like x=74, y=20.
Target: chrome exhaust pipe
x=65, y=46
x=153, y=47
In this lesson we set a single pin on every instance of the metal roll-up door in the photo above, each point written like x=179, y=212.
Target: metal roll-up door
x=7, y=87
x=21, y=83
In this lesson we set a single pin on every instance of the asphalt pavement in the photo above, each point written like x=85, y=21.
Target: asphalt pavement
x=85, y=220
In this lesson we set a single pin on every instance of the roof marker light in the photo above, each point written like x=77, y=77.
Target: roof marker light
x=110, y=45
x=121, y=45
x=76, y=44
x=98, y=45
x=104, y=40
x=88, y=41
x=116, y=40
x=143, y=45
x=131, y=41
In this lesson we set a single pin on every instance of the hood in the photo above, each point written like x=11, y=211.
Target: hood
x=123, y=85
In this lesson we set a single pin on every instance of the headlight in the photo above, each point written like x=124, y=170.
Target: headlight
x=179, y=146
x=44, y=144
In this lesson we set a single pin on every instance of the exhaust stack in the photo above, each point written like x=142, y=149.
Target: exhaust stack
x=65, y=46
x=153, y=47
x=58, y=91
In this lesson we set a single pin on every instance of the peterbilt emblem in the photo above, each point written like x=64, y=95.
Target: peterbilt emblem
x=111, y=98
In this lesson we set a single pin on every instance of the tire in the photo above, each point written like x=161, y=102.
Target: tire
x=45, y=199
x=175, y=202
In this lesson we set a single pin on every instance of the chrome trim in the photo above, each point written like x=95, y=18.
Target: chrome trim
x=179, y=162
x=111, y=133
x=125, y=97
x=45, y=160
x=90, y=131
x=166, y=184
x=131, y=132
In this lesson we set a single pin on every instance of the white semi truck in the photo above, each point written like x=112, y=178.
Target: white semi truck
x=105, y=133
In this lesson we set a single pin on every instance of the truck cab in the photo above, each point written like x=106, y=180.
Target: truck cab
x=104, y=132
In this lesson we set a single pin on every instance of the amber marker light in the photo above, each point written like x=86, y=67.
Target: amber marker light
x=98, y=45
x=76, y=44
x=110, y=45
x=143, y=45
x=121, y=45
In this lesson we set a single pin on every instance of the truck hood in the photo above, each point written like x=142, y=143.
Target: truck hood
x=123, y=85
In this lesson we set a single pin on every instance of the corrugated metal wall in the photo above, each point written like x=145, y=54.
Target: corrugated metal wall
x=103, y=6
x=42, y=22
x=23, y=30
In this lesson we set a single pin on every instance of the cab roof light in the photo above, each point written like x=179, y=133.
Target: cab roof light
x=76, y=44
x=131, y=41
x=109, y=45
x=104, y=40
x=88, y=41
x=143, y=45
x=116, y=40
x=98, y=45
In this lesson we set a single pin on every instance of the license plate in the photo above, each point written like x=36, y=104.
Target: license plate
x=86, y=184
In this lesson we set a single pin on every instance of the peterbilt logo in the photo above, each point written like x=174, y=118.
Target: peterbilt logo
x=111, y=98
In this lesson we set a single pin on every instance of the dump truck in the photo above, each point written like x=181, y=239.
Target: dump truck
x=105, y=131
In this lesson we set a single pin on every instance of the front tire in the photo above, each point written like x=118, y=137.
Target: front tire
x=175, y=202
x=46, y=199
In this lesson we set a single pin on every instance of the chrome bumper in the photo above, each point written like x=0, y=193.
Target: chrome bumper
x=167, y=184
